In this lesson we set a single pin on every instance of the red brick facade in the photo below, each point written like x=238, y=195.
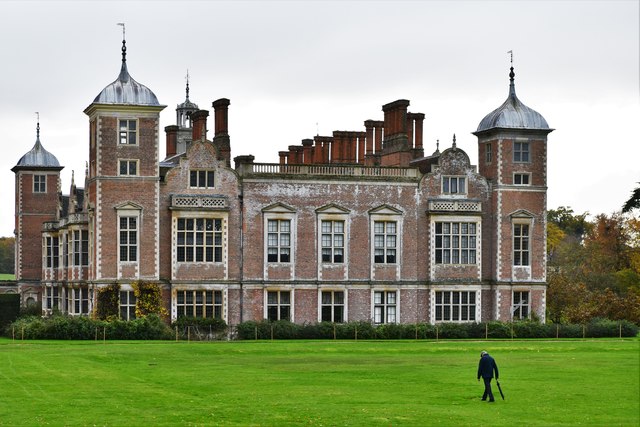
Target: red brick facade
x=348, y=227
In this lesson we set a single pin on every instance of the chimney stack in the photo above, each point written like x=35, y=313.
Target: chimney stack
x=172, y=140
x=221, y=138
x=199, y=122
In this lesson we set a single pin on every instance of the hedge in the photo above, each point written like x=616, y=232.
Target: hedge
x=284, y=330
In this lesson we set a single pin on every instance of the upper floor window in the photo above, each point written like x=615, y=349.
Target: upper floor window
x=39, y=183
x=384, y=242
x=199, y=240
x=128, y=131
x=200, y=303
x=201, y=179
x=278, y=240
x=332, y=306
x=278, y=305
x=332, y=241
x=456, y=242
x=521, y=179
x=128, y=167
x=521, y=244
x=521, y=152
x=455, y=306
x=488, y=153
x=80, y=247
x=384, y=307
x=52, y=252
x=128, y=238
x=454, y=185
x=520, y=307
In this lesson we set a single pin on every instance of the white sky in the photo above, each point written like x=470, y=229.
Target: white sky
x=295, y=68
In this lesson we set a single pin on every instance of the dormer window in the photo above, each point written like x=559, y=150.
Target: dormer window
x=454, y=185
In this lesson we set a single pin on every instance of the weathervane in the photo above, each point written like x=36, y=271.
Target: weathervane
x=511, y=53
x=124, y=43
x=38, y=125
x=187, y=84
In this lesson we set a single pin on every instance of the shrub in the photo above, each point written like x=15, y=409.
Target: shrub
x=199, y=328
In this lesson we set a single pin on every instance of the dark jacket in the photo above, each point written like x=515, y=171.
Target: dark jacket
x=486, y=367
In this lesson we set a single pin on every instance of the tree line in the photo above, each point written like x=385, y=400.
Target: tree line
x=7, y=252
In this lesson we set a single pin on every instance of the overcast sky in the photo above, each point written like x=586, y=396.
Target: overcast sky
x=293, y=69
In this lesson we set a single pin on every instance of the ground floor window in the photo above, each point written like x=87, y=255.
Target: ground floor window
x=78, y=301
x=199, y=303
x=455, y=306
x=384, y=306
x=521, y=308
x=332, y=306
x=53, y=298
x=127, y=305
x=279, y=305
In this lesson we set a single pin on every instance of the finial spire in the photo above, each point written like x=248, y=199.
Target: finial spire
x=512, y=86
x=187, y=84
x=38, y=126
x=124, y=43
x=454, y=141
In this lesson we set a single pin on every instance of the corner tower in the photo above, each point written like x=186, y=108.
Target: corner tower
x=512, y=155
x=36, y=201
x=123, y=180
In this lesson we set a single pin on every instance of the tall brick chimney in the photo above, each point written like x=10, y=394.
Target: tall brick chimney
x=199, y=125
x=172, y=140
x=221, y=138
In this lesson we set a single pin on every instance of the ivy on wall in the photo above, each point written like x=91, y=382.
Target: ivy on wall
x=108, y=302
x=148, y=299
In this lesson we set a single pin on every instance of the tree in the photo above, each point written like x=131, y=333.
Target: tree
x=633, y=202
x=7, y=253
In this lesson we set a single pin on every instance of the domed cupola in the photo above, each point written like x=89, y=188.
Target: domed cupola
x=37, y=157
x=185, y=110
x=125, y=90
x=513, y=114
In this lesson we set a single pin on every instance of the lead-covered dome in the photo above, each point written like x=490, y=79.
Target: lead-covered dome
x=37, y=157
x=125, y=90
x=513, y=114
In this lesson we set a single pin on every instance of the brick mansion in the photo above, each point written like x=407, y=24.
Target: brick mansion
x=354, y=226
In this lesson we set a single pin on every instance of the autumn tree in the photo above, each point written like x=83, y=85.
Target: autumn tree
x=7, y=251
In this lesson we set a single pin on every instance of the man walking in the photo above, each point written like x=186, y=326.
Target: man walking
x=486, y=367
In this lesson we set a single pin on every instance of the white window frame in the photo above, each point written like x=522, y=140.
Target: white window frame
x=129, y=210
x=128, y=306
x=453, y=305
x=522, y=179
x=126, y=134
x=129, y=163
x=332, y=304
x=79, y=248
x=205, y=175
x=40, y=186
x=521, y=152
x=454, y=184
x=521, y=244
x=53, y=298
x=455, y=245
x=332, y=240
x=385, y=240
x=385, y=306
x=199, y=305
x=518, y=305
x=52, y=252
x=199, y=240
x=78, y=301
x=279, y=303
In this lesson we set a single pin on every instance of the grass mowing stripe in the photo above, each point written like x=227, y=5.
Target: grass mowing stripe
x=281, y=383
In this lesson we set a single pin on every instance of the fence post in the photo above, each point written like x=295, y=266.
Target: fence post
x=176, y=333
x=416, y=331
x=557, y=331
x=188, y=333
x=620, y=329
x=256, y=332
x=13, y=333
x=96, y=336
x=23, y=333
x=584, y=331
x=334, y=331
x=486, y=331
x=437, y=332
x=356, y=337
x=104, y=334
x=272, y=332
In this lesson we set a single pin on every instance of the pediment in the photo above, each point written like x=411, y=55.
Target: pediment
x=332, y=208
x=385, y=210
x=521, y=213
x=131, y=206
x=278, y=208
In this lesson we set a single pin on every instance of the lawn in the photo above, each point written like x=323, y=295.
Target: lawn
x=7, y=276
x=318, y=383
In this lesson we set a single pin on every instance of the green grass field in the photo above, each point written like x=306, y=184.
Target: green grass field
x=319, y=383
x=6, y=276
